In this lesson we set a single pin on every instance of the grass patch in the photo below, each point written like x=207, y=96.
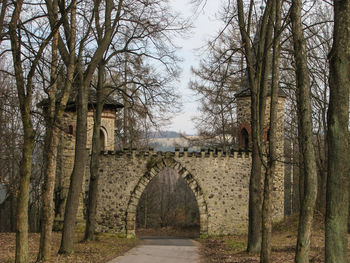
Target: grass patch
x=236, y=244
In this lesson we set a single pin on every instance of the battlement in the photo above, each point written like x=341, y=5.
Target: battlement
x=204, y=153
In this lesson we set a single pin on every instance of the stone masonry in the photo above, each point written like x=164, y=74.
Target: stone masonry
x=219, y=180
x=66, y=150
x=243, y=119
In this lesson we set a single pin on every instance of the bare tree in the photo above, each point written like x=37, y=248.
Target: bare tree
x=24, y=85
x=338, y=182
x=257, y=59
x=215, y=82
x=111, y=16
x=305, y=136
x=54, y=107
x=274, y=153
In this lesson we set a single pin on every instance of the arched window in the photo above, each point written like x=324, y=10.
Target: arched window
x=102, y=140
x=70, y=129
x=245, y=138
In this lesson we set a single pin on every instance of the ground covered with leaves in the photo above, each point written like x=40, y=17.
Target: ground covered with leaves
x=185, y=232
x=103, y=249
x=226, y=249
x=231, y=249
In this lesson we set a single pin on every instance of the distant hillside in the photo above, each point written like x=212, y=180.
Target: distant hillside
x=169, y=140
x=170, y=143
x=164, y=134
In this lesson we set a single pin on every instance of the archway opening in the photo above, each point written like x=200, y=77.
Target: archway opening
x=168, y=207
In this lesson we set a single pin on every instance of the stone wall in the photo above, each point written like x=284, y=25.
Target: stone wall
x=220, y=183
x=243, y=121
x=66, y=152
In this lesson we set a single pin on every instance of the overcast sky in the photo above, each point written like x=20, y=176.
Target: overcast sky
x=206, y=26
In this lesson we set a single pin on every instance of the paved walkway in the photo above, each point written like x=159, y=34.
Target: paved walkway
x=161, y=250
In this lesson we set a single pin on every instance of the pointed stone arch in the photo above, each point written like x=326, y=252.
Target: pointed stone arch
x=154, y=167
x=103, y=138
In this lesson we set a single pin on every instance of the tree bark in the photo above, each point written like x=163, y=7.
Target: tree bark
x=25, y=96
x=257, y=75
x=50, y=156
x=76, y=180
x=255, y=202
x=23, y=194
x=305, y=137
x=126, y=125
x=53, y=119
x=51, y=142
x=336, y=250
x=265, y=253
x=95, y=157
x=274, y=151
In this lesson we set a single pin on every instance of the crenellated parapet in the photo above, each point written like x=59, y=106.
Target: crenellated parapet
x=204, y=153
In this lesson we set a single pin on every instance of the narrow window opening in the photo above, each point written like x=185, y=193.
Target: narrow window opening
x=102, y=141
x=70, y=129
x=245, y=139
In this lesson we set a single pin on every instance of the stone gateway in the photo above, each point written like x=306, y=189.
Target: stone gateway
x=219, y=180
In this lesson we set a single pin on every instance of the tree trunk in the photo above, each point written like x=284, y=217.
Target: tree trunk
x=103, y=43
x=274, y=151
x=47, y=216
x=305, y=137
x=338, y=138
x=50, y=159
x=265, y=253
x=95, y=158
x=23, y=194
x=81, y=132
x=296, y=172
x=24, y=92
x=76, y=180
x=54, y=117
x=257, y=78
x=126, y=119
x=255, y=202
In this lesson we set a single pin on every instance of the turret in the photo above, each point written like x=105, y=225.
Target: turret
x=66, y=150
x=243, y=98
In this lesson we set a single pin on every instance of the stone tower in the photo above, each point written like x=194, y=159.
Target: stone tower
x=66, y=150
x=243, y=98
